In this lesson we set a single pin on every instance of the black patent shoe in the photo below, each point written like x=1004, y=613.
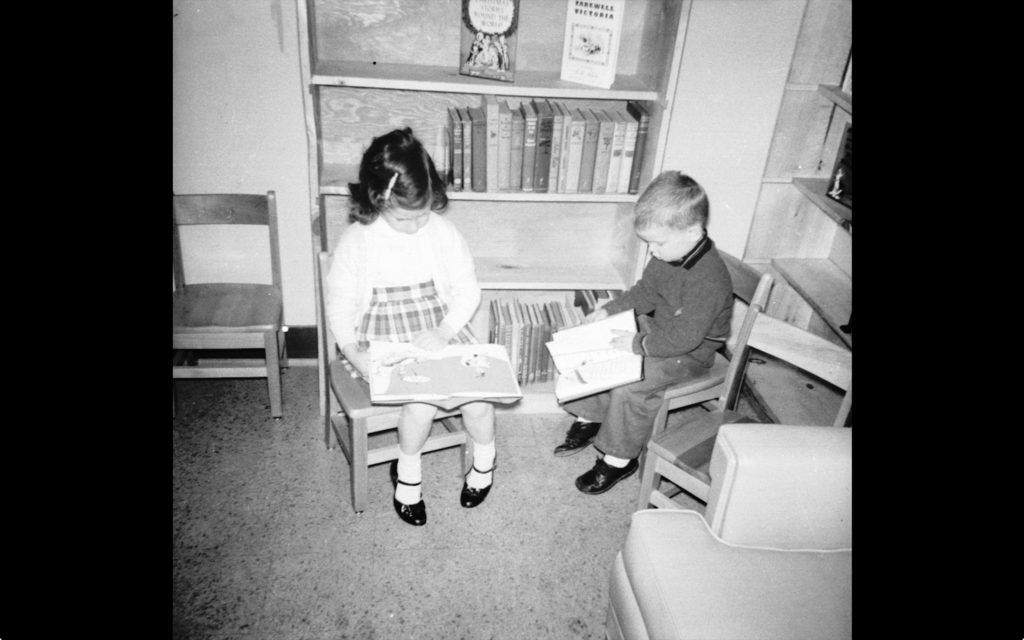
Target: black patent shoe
x=414, y=514
x=473, y=497
x=580, y=435
x=604, y=476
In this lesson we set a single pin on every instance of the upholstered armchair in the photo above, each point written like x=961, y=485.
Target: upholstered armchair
x=771, y=557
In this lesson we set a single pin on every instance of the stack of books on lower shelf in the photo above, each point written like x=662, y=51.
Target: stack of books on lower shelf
x=542, y=146
x=524, y=328
x=590, y=300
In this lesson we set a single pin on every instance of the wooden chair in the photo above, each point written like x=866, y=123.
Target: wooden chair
x=710, y=386
x=682, y=454
x=223, y=314
x=357, y=417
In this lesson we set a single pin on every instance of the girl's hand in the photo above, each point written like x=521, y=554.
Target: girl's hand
x=623, y=340
x=434, y=339
x=600, y=314
x=360, y=359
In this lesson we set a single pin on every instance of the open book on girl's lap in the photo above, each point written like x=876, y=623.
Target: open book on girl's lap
x=454, y=375
x=587, y=363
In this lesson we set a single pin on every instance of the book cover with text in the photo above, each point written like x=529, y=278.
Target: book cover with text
x=489, y=36
x=591, y=47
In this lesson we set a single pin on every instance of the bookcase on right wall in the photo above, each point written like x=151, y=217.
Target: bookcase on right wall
x=802, y=236
x=799, y=234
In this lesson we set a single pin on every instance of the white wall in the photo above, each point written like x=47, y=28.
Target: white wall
x=735, y=62
x=239, y=124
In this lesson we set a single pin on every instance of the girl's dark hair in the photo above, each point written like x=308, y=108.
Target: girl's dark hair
x=417, y=182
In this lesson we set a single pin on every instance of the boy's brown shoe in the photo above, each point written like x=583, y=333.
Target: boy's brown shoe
x=580, y=435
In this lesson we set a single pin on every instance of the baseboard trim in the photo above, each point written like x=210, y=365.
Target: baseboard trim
x=301, y=343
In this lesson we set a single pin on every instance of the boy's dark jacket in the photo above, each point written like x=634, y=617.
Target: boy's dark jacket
x=692, y=303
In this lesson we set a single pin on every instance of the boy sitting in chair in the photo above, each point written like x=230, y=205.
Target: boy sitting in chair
x=687, y=287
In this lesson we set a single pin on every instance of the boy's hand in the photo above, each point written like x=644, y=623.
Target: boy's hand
x=623, y=340
x=434, y=339
x=600, y=314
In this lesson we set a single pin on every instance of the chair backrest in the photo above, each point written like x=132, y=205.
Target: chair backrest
x=782, y=486
x=327, y=336
x=215, y=210
x=745, y=278
x=800, y=348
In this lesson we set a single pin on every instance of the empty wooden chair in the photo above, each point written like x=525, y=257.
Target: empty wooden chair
x=235, y=300
x=353, y=418
x=682, y=454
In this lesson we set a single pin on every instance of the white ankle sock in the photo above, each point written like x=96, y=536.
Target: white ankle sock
x=483, y=458
x=409, y=470
x=583, y=420
x=612, y=461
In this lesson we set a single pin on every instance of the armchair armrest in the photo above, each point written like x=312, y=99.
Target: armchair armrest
x=781, y=486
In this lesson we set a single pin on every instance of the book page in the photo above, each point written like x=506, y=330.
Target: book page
x=587, y=363
x=401, y=372
x=596, y=335
x=595, y=377
x=569, y=360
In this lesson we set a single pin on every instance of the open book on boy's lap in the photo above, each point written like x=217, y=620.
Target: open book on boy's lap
x=587, y=363
x=454, y=375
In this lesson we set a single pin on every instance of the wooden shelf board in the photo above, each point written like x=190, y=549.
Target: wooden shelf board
x=334, y=180
x=447, y=79
x=814, y=189
x=824, y=286
x=837, y=95
x=789, y=395
x=531, y=272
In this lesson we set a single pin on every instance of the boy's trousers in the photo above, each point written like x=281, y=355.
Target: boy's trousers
x=627, y=413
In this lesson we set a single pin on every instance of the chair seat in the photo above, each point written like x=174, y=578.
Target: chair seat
x=713, y=377
x=227, y=308
x=688, y=583
x=689, y=445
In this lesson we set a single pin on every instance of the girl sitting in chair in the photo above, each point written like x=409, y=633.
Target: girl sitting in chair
x=405, y=274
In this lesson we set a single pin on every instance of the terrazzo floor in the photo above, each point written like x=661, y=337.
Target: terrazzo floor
x=266, y=544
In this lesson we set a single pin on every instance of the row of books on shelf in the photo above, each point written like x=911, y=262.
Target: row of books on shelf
x=524, y=328
x=545, y=147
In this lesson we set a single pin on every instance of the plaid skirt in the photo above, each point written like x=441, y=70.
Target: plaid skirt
x=397, y=314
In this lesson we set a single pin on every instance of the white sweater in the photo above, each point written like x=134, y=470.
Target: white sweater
x=375, y=255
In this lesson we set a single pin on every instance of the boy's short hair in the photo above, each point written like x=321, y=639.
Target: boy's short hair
x=673, y=200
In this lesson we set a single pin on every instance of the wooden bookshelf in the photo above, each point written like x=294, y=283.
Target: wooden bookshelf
x=446, y=79
x=377, y=65
x=825, y=287
x=814, y=189
x=803, y=237
x=789, y=395
x=838, y=96
x=335, y=178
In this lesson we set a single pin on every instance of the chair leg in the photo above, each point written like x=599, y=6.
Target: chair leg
x=357, y=435
x=328, y=425
x=324, y=383
x=647, y=481
x=273, y=372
